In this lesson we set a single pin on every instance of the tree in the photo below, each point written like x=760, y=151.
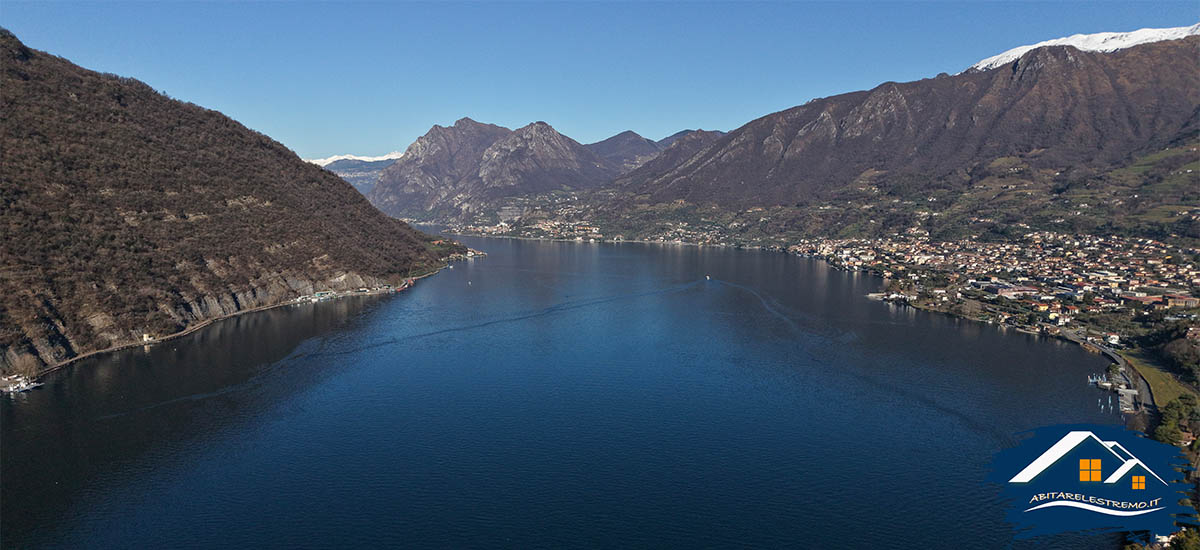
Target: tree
x=1188, y=539
x=1168, y=433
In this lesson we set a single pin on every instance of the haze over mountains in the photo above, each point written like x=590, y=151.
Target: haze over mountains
x=360, y=171
x=362, y=174
x=126, y=213
x=1049, y=117
x=335, y=159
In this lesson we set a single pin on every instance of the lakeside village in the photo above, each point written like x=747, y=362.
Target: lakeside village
x=17, y=383
x=1048, y=282
x=1135, y=300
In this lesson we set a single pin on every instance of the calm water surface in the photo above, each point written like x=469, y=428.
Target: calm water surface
x=549, y=395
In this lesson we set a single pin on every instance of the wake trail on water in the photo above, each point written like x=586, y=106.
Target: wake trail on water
x=967, y=421
x=769, y=304
x=322, y=345
x=766, y=306
x=551, y=310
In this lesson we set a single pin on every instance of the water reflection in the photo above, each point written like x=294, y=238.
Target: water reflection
x=103, y=412
x=550, y=394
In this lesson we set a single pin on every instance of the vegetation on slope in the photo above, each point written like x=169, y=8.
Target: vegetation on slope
x=125, y=212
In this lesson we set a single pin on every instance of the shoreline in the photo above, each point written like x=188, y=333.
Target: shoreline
x=1111, y=356
x=613, y=241
x=41, y=374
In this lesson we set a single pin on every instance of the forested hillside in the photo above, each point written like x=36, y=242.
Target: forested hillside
x=125, y=212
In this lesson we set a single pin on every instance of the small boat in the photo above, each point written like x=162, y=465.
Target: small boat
x=707, y=278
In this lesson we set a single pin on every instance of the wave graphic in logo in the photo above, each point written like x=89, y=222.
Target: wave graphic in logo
x=1092, y=508
x=1085, y=477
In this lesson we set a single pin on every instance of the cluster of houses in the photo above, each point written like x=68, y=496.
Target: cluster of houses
x=1087, y=263
x=323, y=295
x=558, y=229
x=1057, y=275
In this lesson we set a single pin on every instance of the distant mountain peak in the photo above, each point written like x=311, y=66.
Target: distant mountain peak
x=678, y=134
x=539, y=125
x=667, y=141
x=328, y=160
x=1097, y=42
x=625, y=151
x=451, y=171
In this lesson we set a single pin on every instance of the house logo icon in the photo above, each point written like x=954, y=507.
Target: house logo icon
x=1112, y=463
x=1084, y=477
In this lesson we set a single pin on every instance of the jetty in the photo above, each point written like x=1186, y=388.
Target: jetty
x=17, y=384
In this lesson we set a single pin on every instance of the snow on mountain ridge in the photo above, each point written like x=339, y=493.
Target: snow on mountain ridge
x=328, y=160
x=1098, y=42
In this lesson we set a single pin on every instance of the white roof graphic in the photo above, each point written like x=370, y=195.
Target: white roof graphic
x=1072, y=440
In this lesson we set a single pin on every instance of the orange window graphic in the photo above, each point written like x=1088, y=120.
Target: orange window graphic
x=1139, y=482
x=1089, y=469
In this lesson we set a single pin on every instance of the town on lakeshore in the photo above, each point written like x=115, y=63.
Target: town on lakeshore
x=1107, y=293
x=811, y=255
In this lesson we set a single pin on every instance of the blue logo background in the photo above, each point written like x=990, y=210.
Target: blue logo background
x=1051, y=491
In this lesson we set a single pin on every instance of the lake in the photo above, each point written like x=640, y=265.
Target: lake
x=549, y=395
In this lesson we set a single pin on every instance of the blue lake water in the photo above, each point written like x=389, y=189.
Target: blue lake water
x=549, y=395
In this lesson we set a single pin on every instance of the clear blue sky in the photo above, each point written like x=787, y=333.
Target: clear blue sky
x=368, y=78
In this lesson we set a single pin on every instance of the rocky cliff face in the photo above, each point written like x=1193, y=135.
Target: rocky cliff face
x=1056, y=108
x=536, y=159
x=50, y=340
x=432, y=176
x=453, y=171
x=128, y=213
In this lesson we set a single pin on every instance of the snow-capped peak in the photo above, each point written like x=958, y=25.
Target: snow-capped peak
x=327, y=160
x=1099, y=42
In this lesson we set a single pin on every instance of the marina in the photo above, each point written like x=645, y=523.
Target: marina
x=17, y=384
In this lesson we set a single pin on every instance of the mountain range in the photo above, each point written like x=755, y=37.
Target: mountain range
x=457, y=171
x=1055, y=108
x=460, y=171
x=336, y=159
x=1049, y=122
x=127, y=213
